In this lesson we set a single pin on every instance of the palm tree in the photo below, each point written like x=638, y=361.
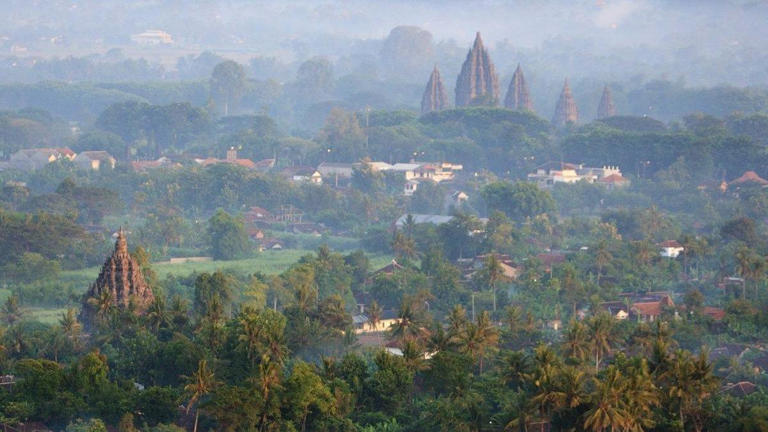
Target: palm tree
x=457, y=320
x=71, y=327
x=607, y=409
x=405, y=328
x=576, y=343
x=479, y=338
x=157, y=314
x=641, y=397
x=102, y=305
x=687, y=382
x=413, y=356
x=11, y=311
x=198, y=385
x=404, y=247
x=602, y=258
x=601, y=329
x=494, y=272
x=374, y=315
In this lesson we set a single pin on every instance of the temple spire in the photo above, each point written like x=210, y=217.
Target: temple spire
x=566, y=110
x=518, y=97
x=121, y=245
x=434, y=98
x=477, y=83
x=606, y=107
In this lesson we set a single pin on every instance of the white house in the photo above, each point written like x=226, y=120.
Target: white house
x=671, y=249
x=548, y=175
x=152, y=37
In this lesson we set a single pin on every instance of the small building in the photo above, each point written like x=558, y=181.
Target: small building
x=671, y=249
x=614, y=181
x=231, y=159
x=650, y=311
x=94, y=160
x=749, y=178
x=161, y=162
x=739, y=389
x=410, y=186
x=423, y=218
x=362, y=322
x=271, y=244
x=550, y=174
x=337, y=174
x=152, y=37
x=37, y=158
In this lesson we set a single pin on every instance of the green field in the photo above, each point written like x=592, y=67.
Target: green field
x=269, y=262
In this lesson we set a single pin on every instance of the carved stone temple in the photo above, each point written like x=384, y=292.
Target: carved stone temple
x=606, y=107
x=518, y=97
x=435, y=98
x=566, y=110
x=121, y=277
x=477, y=83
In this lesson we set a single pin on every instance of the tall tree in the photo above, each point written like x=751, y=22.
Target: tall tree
x=198, y=386
x=227, y=85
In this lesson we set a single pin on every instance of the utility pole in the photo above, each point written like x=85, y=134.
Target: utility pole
x=473, y=307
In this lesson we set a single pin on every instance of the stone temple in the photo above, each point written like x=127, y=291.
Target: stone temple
x=435, y=98
x=518, y=98
x=606, y=108
x=566, y=110
x=120, y=276
x=477, y=83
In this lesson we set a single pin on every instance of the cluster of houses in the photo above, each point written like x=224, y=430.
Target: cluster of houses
x=36, y=158
x=550, y=174
x=340, y=174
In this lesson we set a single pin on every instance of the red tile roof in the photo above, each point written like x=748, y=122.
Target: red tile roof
x=670, y=244
x=614, y=178
x=750, y=177
x=717, y=314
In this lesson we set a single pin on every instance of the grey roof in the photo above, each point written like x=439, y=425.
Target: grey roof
x=424, y=218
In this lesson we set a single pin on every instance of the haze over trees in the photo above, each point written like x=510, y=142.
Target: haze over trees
x=318, y=216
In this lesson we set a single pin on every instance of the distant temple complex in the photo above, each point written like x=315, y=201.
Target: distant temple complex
x=566, y=110
x=121, y=277
x=606, y=108
x=518, y=97
x=477, y=83
x=435, y=98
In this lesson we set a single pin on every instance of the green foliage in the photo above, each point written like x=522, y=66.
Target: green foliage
x=228, y=239
x=519, y=200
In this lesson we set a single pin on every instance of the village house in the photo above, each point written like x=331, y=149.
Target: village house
x=231, y=159
x=94, y=160
x=152, y=37
x=36, y=158
x=362, y=324
x=550, y=174
x=671, y=249
x=161, y=162
x=420, y=171
x=646, y=307
x=337, y=174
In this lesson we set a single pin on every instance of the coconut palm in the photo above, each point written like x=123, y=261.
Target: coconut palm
x=479, y=338
x=602, y=258
x=576, y=343
x=198, y=385
x=494, y=272
x=607, y=408
x=157, y=314
x=405, y=328
x=601, y=331
x=374, y=315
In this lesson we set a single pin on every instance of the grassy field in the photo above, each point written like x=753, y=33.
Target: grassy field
x=269, y=262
